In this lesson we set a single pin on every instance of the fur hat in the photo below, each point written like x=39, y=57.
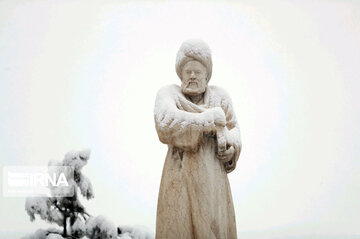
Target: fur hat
x=194, y=50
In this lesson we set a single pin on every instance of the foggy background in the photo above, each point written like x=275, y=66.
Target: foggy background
x=84, y=74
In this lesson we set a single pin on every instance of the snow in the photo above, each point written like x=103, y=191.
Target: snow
x=76, y=159
x=72, y=164
x=68, y=172
x=37, y=205
x=85, y=187
x=137, y=232
x=54, y=236
x=233, y=136
x=56, y=216
x=42, y=207
x=101, y=227
x=194, y=49
x=79, y=228
x=168, y=115
x=174, y=112
x=84, y=154
x=166, y=111
x=44, y=234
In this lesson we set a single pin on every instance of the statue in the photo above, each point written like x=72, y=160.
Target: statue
x=198, y=124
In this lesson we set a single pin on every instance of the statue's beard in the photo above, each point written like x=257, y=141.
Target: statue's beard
x=193, y=87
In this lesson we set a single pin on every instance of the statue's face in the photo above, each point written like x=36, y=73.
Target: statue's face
x=193, y=81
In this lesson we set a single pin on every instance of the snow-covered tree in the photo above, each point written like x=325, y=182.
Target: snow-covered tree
x=68, y=212
x=65, y=211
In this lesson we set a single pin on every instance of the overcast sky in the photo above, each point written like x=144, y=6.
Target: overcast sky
x=84, y=74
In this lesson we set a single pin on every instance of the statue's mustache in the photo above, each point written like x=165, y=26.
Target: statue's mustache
x=192, y=81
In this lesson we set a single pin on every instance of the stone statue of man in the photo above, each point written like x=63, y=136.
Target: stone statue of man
x=198, y=123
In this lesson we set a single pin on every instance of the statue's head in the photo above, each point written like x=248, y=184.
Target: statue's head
x=194, y=66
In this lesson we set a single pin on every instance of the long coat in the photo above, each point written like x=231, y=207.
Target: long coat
x=195, y=198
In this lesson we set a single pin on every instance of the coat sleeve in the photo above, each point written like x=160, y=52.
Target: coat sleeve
x=180, y=128
x=232, y=131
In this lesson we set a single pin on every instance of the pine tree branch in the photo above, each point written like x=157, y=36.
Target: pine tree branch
x=60, y=209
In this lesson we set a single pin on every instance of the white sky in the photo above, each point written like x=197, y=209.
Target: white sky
x=84, y=74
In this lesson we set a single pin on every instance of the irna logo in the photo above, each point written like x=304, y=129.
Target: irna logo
x=38, y=181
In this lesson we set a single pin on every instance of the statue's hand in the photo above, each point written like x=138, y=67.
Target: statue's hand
x=226, y=155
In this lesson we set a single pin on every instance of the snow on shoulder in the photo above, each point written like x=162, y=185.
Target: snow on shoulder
x=167, y=113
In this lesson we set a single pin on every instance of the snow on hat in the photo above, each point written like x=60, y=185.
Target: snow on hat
x=197, y=50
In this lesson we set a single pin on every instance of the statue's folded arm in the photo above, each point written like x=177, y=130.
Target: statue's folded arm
x=232, y=132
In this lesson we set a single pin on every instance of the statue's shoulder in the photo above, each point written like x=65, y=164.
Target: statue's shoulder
x=219, y=92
